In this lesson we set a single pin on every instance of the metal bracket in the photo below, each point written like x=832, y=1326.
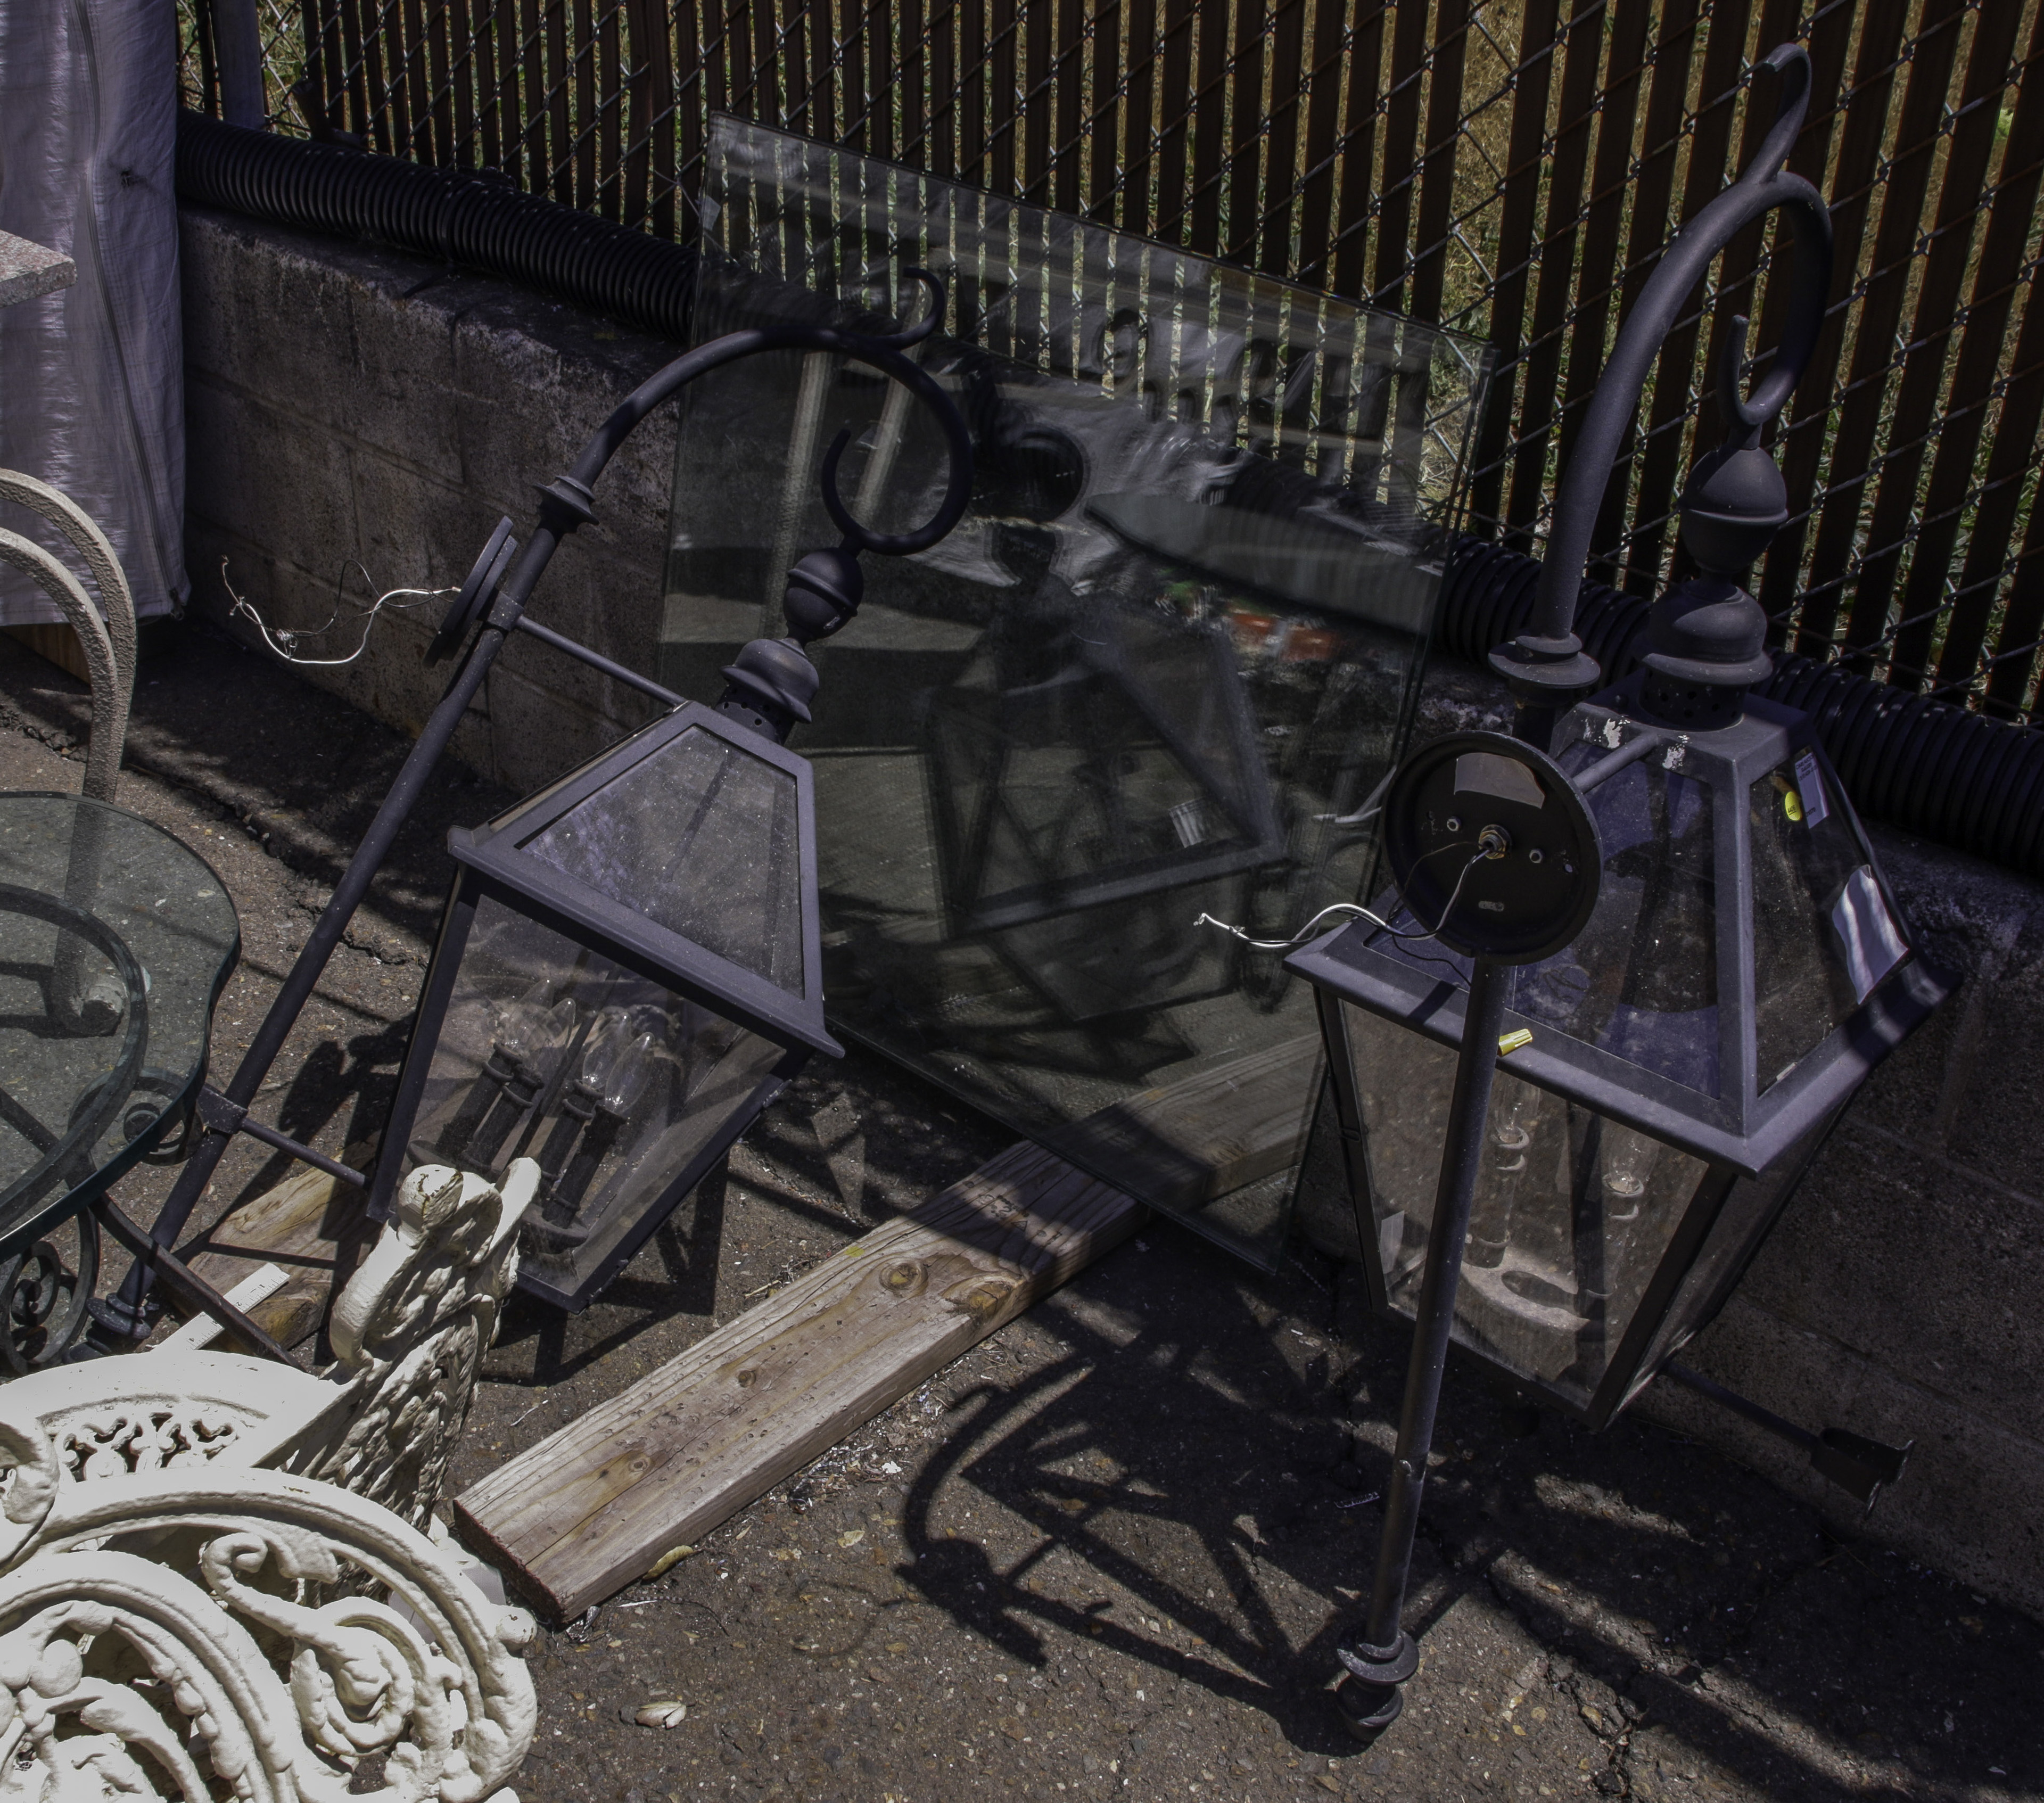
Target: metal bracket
x=222, y=1116
x=1856, y=1464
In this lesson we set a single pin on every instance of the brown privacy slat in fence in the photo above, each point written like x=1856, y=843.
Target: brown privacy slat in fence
x=1270, y=235
x=1999, y=279
x=1365, y=72
x=1401, y=135
x=1437, y=168
x=1436, y=154
x=1197, y=216
x=1523, y=165
x=1864, y=106
x=1947, y=253
x=1567, y=169
x=1905, y=179
x=1653, y=191
x=1317, y=187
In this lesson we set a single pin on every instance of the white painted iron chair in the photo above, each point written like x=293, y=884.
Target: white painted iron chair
x=189, y=1543
x=106, y=632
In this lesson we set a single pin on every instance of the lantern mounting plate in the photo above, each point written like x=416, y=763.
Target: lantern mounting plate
x=1492, y=848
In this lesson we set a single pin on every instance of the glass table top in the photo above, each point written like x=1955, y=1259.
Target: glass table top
x=115, y=940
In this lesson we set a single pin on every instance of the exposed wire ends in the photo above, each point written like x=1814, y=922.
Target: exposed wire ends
x=285, y=644
x=1354, y=908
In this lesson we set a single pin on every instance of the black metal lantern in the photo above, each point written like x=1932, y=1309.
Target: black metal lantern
x=627, y=973
x=1663, y=1078
x=1580, y=1056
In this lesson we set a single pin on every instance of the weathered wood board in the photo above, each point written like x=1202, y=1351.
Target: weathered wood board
x=589, y=1509
x=311, y=1225
x=1188, y=1143
x=575, y=1518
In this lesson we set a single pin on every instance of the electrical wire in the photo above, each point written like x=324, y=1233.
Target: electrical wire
x=284, y=644
x=1354, y=908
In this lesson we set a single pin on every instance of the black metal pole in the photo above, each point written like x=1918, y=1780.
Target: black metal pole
x=123, y=1318
x=1380, y=1662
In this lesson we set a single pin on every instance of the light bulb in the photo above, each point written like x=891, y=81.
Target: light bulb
x=607, y=1039
x=629, y=1075
x=527, y=1031
x=1628, y=1160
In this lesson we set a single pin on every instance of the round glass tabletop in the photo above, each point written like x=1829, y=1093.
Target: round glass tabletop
x=115, y=940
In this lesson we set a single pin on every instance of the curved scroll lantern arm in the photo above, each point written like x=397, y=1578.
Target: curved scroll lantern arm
x=1548, y=656
x=567, y=502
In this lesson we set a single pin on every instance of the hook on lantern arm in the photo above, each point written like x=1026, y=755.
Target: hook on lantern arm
x=1546, y=664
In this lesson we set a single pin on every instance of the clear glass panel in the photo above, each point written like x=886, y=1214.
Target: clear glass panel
x=700, y=837
x=1823, y=934
x=1572, y=1214
x=1741, y=1224
x=612, y=1082
x=84, y=1072
x=1157, y=670
x=1641, y=980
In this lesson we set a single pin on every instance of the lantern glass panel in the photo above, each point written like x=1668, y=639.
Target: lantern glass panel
x=1157, y=672
x=1822, y=934
x=1640, y=979
x=614, y=1083
x=701, y=839
x=1573, y=1216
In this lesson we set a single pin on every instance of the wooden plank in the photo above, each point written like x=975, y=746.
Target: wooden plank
x=586, y=1511
x=1184, y=1145
x=57, y=644
x=311, y=1225
x=591, y=1508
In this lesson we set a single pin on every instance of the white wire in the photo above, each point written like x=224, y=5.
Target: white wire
x=1347, y=908
x=283, y=644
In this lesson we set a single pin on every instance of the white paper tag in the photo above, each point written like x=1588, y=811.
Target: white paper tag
x=1810, y=786
x=1867, y=933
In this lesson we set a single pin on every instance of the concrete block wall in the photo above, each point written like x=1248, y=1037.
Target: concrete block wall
x=347, y=406
x=347, y=403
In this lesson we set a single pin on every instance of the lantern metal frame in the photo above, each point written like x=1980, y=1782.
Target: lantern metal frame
x=494, y=865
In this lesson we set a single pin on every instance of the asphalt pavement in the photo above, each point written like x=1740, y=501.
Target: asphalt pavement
x=1107, y=1554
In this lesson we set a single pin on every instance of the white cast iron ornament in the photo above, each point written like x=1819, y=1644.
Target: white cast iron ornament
x=178, y=1621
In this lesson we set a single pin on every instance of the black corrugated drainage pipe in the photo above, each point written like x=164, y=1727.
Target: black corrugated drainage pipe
x=473, y=220
x=1926, y=766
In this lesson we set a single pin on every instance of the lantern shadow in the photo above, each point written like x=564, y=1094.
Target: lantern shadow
x=1678, y=1593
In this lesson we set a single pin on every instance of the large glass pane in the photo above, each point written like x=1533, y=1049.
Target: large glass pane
x=700, y=837
x=1158, y=672
x=1823, y=935
x=1573, y=1212
x=613, y=1083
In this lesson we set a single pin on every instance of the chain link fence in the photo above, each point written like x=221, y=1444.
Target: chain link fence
x=1510, y=168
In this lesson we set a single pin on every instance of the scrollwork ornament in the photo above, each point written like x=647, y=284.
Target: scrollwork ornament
x=412, y=1326
x=111, y=1662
